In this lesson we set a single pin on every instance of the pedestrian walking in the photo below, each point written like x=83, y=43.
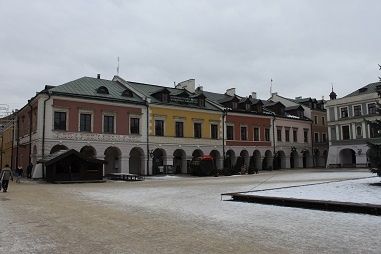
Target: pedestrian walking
x=6, y=175
x=19, y=172
x=29, y=171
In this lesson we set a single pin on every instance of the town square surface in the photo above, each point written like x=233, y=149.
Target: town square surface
x=182, y=214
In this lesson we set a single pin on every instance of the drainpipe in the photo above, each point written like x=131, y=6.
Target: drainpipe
x=274, y=134
x=13, y=138
x=224, y=114
x=147, y=120
x=43, y=133
x=312, y=147
x=30, y=131
x=17, y=140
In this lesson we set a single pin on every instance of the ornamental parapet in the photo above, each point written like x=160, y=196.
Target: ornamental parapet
x=95, y=137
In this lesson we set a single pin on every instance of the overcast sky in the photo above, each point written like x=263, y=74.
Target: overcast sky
x=303, y=46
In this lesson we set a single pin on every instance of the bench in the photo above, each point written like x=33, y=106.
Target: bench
x=126, y=177
x=335, y=165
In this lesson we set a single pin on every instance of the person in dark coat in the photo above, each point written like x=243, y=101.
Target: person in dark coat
x=19, y=172
x=6, y=175
x=29, y=171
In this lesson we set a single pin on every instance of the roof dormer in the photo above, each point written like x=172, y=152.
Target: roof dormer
x=102, y=90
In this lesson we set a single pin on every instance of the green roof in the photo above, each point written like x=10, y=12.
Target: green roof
x=371, y=88
x=87, y=87
x=149, y=90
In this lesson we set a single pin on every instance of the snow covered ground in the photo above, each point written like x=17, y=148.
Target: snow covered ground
x=184, y=214
x=365, y=190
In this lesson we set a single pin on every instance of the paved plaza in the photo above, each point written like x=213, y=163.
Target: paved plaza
x=179, y=214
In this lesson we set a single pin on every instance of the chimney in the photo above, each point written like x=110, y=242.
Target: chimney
x=230, y=92
x=98, y=76
x=253, y=95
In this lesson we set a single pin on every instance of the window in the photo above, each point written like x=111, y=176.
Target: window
x=345, y=131
x=85, y=122
x=316, y=119
x=287, y=135
x=229, y=133
x=197, y=130
x=295, y=135
x=214, y=131
x=357, y=110
x=333, y=133
x=108, y=124
x=374, y=130
x=305, y=136
x=201, y=102
x=324, y=137
x=344, y=112
x=323, y=120
x=243, y=133
x=372, y=108
x=60, y=121
x=267, y=134
x=102, y=90
x=279, y=134
x=179, y=129
x=164, y=97
x=159, y=127
x=316, y=137
x=248, y=107
x=358, y=131
x=235, y=105
x=256, y=134
x=134, y=126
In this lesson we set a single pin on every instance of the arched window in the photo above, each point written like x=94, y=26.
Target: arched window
x=102, y=90
x=127, y=93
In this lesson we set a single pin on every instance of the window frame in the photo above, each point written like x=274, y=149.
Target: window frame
x=133, y=120
x=88, y=122
x=356, y=111
x=305, y=135
x=179, y=129
x=295, y=135
x=243, y=132
x=197, y=130
x=213, y=131
x=287, y=135
x=324, y=137
x=229, y=127
x=344, y=112
x=256, y=134
x=279, y=134
x=159, y=128
x=108, y=116
x=316, y=137
x=372, y=110
x=267, y=135
x=347, y=134
x=58, y=127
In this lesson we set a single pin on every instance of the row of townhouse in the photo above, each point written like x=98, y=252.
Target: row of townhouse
x=349, y=126
x=139, y=128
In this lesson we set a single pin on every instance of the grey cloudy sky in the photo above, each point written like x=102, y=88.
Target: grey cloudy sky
x=303, y=46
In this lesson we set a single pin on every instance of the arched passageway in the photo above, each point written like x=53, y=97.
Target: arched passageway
x=136, y=160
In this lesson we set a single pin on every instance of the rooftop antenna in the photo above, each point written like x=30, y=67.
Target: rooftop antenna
x=271, y=87
x=117, y=69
